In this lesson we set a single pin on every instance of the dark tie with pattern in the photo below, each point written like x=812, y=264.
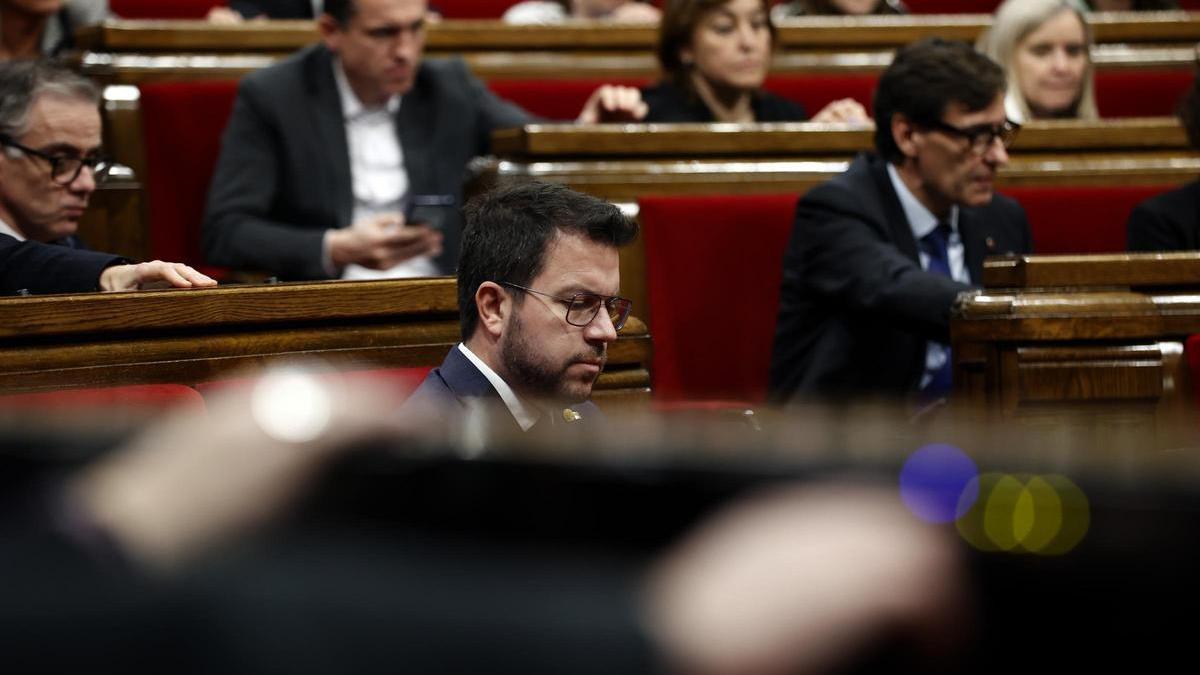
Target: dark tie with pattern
x=934, y=245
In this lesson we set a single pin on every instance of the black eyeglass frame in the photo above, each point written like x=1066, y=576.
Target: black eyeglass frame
x=979, y=137
x=608, y=301
x=100, y=165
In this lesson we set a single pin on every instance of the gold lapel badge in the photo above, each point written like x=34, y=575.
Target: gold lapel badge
x=571, y=416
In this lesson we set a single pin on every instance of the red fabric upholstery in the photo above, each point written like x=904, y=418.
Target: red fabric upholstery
x=472, y=9
x=399, y=381
x=182, y=124
x=153, y=396
x=713, y=270
x=817, y=91
x=163, y=9
x=1141, y=92
x=952, y=6
x=1086, y=219
x=554, y=99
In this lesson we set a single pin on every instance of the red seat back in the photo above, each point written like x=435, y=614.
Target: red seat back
x=952, y=6
x=1083, y=219
x=182, y=123
x=472, y=9
x=1141, y=92
x=817, y=91
x=163, y=9
x=714, y=265
x=555, y=99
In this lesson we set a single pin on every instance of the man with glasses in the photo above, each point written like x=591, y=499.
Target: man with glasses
x=537, y=294
x=347, y=160
x=880, y=254
x=50, y=163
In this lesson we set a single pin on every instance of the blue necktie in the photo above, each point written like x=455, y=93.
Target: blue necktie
x=934, y=245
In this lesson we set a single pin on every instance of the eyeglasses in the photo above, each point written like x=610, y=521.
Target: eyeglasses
x=64, y=169
x=582, y=308
x=982, y=136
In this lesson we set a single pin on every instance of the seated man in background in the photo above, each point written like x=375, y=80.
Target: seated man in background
x=50, y=164
x=880, y=254
x=347, y=160
x=31, y=28
x=537, y=296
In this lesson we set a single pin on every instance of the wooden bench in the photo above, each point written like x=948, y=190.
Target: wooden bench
x=195, y=336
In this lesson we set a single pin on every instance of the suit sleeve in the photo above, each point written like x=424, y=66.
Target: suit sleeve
x=43, y=268
x=842, y=257
x=494, y=112
x=238, y=231
x=1148, y=230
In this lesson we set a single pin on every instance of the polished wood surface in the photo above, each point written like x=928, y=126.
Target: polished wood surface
x=1080, y=338
x=807, y=34
x=190, y=336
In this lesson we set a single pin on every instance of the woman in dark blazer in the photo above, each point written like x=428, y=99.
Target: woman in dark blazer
x=715, y=55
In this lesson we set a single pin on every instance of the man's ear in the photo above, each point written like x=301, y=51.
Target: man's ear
x=331, y=32
x=493, y=304
x=902, y=133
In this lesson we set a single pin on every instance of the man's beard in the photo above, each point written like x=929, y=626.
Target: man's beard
x=531, y=373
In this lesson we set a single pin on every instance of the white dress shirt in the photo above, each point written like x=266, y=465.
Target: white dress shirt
x=525, y=415
x=5, y=229
x=922, y=221
x=377, y=174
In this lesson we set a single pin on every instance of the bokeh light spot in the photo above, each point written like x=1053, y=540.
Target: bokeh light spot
x=938, y=483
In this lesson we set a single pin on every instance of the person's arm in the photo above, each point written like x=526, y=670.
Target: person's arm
x=842, y=256
x=87, y=12
x=42, y=268
x=238, y=230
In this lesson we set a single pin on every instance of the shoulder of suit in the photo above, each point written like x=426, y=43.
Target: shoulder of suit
x=291, y=71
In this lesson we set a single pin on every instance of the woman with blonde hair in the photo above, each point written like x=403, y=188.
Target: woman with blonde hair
x=1044, y=47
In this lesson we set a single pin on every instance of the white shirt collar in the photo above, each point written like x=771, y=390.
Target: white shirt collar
x=920, y=219
x=353, y=108
x=526, y=415
x=5, y=229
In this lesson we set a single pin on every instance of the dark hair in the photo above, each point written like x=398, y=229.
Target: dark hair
x=508, y=229
x=679, y=21
x=23, y=81
x=340, y=10
x=924, y=78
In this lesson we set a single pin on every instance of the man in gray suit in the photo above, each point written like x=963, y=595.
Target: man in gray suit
x=347, y=159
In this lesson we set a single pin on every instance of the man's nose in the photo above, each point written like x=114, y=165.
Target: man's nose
x=85, y=182
x=601, y=328
x=996, y=153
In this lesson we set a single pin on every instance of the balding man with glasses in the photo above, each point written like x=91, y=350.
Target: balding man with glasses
x=538, y=284
x=50, y=164
x=881, y=253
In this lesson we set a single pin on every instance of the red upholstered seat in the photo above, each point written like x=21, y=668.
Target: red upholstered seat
x=555, y=99
x=713, y=270
x=952, y=6
x=472, y=9
x=163, y=9
x=817, y=91
x=141, y=396
x=1084, y=219
x=1141, y=92
x=182, y=124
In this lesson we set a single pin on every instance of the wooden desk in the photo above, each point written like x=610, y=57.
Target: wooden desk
x=190, y=336
x=1090, y=339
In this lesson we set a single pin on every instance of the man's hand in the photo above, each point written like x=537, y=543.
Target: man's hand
x=845, y=111
x=154, y=274
x=382, y=242
x=613, y=103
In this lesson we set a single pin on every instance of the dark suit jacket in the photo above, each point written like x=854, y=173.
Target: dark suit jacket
x=283, y=177
x=448, y=388
x=274, y=9
x=1168, y=222
x=667, y=102
x=47, y=268
x=856, y=309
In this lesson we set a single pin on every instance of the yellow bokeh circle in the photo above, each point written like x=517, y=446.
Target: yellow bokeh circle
x=1046, y=515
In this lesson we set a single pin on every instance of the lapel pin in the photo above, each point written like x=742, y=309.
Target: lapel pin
x=990, y=244
x=571, y=416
